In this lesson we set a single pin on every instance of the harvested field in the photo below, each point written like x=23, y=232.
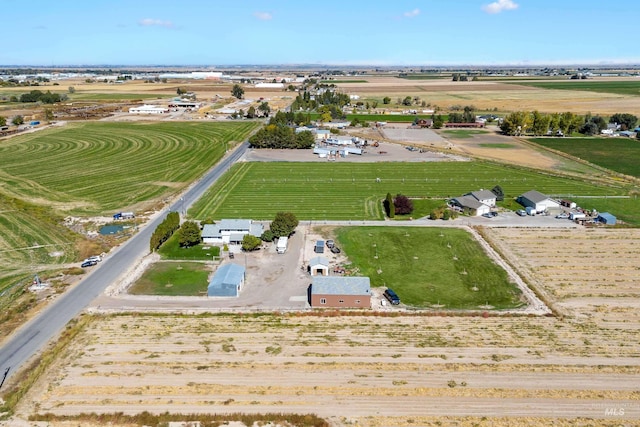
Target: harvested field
x=590, y=273
x=357, y=368
x=490, y=95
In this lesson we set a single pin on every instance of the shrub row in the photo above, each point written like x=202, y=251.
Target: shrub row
x=165, y=230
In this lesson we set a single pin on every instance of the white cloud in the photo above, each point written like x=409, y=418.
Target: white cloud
x=263, y=16
x=150, y=22
x=412, y=13
x=499, y=5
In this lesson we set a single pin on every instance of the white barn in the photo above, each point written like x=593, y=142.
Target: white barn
x=148, y=109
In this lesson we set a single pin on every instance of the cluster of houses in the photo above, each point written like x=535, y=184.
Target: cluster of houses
x=613, y=129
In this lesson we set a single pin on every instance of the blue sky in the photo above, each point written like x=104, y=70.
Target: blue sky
x=355, y=32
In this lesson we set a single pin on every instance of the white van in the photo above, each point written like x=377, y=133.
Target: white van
x=281, y=246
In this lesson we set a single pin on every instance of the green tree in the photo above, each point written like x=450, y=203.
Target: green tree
x=237, y=91
x=264, y=109
x=283, y=224
x=17, y=120
x=515, y=123
x=407, y=100
x=497, y=190
x=386, y=100
x=3, y=121
x=71, y=89
x=251, y=112
x=625, y=120
x=389, y=207
x=48, y=114
x=250, y=243
x=181, y=91
x=189, y=234
x=539, y=123
x=267, y=236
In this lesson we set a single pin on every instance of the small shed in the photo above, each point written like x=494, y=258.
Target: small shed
x=606, y=218
x=319, y=266
x=335, y=291
x=227, y=281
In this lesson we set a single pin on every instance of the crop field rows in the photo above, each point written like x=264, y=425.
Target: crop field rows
x=98, y=167
x=616, y=87
x=358, y=367
x=354, y=191
x=590, y=272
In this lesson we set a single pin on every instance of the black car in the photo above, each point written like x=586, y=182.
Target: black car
x=392, y=297
x=88, y=263
x=335, y=249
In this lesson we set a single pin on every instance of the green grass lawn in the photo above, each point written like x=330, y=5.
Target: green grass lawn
x=173, y=279
x=618, y=154
x=99, y=167
x=171, y=250
x=462, y=133
x=350, y=191
x=420, y=265
x=616, y=87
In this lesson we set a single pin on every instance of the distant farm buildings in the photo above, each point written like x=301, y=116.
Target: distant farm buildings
x=537, y=202
x=475, y=203
x=148, y=109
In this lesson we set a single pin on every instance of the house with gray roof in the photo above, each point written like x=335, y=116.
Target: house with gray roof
x=338, y=291
x=227, y=281
x=486, y=197
x=537, y=201
x=470, y=205
x=230, y=231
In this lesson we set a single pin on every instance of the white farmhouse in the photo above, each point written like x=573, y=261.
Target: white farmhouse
x=230, y=231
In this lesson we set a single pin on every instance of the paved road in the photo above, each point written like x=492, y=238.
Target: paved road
x=33, y=336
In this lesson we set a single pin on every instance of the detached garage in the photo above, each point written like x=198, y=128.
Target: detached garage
x=539, y=202
x=337, y=291
x=227, y=281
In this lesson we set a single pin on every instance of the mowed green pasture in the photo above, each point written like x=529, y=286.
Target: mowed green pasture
x=354, y=191
x=617, y=87
x=427, y=267
x=618, y=154
x=96, y=167
x=173, y=279
x=171, y=249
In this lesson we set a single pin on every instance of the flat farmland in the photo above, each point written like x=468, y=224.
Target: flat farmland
x=505, y=96
x=620, y=87
x=95, y=168
x=590, y=272
x=353, y=191
x=352, y=370
x=617, y=154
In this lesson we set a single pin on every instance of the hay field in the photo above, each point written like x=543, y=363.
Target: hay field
x=490, y=95
x=97, y=167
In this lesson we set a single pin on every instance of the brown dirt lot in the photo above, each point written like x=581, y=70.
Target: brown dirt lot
x=378, y=370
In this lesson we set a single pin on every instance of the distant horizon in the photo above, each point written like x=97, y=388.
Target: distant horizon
x=213, y=67
x=403, y=33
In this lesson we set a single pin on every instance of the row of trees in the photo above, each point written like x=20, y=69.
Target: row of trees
x=44, y=97
x=281, y=136
x=536, y=123
x=283, y=225
x=164, y=230
x=16, y=120
x=467, y=115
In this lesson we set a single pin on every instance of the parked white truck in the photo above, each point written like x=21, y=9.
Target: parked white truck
x=281, y=246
